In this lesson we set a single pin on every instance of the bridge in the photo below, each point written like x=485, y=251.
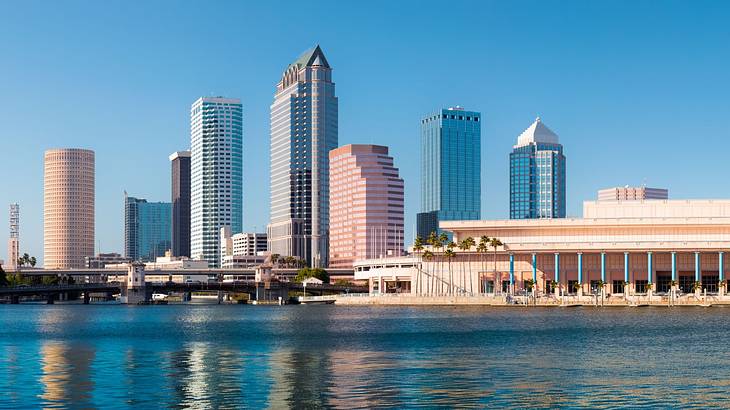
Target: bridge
x=241, y=273
x=265, y=290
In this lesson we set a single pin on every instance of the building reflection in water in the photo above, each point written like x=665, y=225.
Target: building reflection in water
x=66, y=376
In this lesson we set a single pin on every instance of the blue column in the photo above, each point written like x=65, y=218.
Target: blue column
x=648, y=267
x=580, y=267
x=674, y=265
x=697, y=266
x=534, y=268
x=511, y=269
x=626, y=267
x=603, y=266
x=557, y=267
x=721, y=267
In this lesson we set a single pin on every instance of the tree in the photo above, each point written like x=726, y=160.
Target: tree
x=463, y=247
x=3, y=278
x=495, y=243
x=449, y=254
x=427, y=256
x=32, y=261
x=306, y=273
x=470, y=242
x=418, y=247
x=275, y=258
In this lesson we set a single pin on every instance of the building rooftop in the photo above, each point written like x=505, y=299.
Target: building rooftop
x=535, y=133
x=312, y=57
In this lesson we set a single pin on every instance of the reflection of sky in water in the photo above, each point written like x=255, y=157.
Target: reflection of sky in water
x=365, y=357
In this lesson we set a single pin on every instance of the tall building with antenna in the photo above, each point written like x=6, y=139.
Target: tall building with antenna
x=14, y=241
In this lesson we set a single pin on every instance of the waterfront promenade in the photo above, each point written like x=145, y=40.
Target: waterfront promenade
x=703, y=300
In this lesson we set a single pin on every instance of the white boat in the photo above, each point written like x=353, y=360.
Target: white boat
x=159, y=296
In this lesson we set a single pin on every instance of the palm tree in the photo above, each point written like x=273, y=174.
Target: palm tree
x=469, y=243
x=482, y=250
x=437, y=244
x=443, y=239
x=494, y=243
x=450, y=247
x=449, y=254
x=428, y=255
x=418, y=247
x=464, y=246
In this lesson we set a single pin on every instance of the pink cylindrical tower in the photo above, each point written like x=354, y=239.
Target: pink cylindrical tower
x=68, y=207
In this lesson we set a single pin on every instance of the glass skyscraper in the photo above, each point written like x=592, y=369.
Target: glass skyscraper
x=537, y=175
x=216, y=174
x=303, y=132
x=147, y=228
x=450, y=168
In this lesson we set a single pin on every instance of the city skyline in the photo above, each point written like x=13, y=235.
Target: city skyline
x=691, y=104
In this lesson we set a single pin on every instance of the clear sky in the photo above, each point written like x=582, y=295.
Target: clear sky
x=637, y=90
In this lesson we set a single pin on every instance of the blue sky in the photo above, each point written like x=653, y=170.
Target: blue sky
x=637, y=90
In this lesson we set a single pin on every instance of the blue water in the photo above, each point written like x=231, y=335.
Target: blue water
x=111, y=356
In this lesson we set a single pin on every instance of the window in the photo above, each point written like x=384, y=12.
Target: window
x=571, y=287
x=641, y=286
x=617, y=286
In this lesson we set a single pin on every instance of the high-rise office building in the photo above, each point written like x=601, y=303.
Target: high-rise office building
x=537, y=175
x=366, y=205
x=632, y=193
x=216, y=173
x=450, y=168
x=68, y=207
x=147, y=230
x=180, y=203
x=14, y=240
x=303, y=132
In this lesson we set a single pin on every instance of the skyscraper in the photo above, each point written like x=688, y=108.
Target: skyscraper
x=303, y=131
x=450, y=168
x=147, y=230
x=68, y=207
x=180, y=203
x=216, y=173
x=366, y=205
x=537, y=175
x=14, y=240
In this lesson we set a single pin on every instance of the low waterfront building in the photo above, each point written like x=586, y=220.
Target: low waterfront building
x=102, y=259
x=618, y=248
x=632, y=193
x=243, y=261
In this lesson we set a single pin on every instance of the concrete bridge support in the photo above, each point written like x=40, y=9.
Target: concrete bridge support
x=50, y=299
x=14, y=300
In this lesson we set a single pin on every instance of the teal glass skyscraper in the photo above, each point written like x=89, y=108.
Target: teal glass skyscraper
x=537, y=175
x=147, y=228
x=450, y=168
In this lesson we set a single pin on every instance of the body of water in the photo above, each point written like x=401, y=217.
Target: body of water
x=112, y=356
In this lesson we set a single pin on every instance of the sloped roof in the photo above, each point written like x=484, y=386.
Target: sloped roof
x=312, y=57
x=537, y=132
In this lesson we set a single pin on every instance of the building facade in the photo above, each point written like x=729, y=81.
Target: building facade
x=627, y=249
x=68, y=207
x=147, y=230
x=537, y=175
x=366, y=205
x=216, y=172
x=450, y=168
x=102, y=259
x=303, y=132
x=14, y=239
x=180, y=162
x=245, y=244
x=631, y=193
